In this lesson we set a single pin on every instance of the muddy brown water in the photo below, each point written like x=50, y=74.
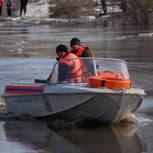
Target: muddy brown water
x=25, y=52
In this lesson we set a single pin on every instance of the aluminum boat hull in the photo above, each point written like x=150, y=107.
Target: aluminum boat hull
x=72, y=103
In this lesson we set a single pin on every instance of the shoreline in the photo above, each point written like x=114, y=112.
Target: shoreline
x=103, y=21
x=45, y=20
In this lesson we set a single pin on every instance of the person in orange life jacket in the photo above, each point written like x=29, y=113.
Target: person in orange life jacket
x=83, y=51
x=80, y=50
x=68, y=70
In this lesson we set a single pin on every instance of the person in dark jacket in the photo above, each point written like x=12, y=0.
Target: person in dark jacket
x=83, y=51
x=9, y=7
x=80, y=50
x=23, y=7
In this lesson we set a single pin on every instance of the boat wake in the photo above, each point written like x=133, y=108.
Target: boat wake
x=131, y=118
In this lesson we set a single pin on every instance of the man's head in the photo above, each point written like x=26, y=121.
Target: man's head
x=75, y=43
x=61, y=50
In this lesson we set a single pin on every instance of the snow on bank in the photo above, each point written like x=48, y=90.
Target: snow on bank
x=38, y=9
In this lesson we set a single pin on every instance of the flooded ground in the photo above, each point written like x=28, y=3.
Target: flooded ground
x=25, y=53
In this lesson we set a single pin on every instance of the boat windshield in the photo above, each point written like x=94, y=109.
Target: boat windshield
x=80, y=69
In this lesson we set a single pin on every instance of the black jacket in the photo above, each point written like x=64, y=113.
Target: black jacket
x=24, y=2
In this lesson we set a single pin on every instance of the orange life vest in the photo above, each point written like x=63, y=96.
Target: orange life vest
x=75, y=73
x=81, y=49
x=85, y=71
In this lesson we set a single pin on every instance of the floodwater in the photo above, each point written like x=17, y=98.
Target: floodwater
x=25, y=52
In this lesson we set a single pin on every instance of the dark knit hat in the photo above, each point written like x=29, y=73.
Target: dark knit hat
x=75, y=41
x=61, y=48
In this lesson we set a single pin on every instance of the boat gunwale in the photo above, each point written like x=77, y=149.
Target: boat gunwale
x=122, y=92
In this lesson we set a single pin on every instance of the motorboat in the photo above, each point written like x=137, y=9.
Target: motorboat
x=104, y=94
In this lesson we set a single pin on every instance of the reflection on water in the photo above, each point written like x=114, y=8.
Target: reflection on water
x=145, y=134
x=27, y=40
x=37, y=137
x=13, y=40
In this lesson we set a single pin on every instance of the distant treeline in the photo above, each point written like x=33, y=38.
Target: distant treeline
x=138, y=12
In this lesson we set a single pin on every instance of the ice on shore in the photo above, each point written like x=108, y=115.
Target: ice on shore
x=38, y=9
